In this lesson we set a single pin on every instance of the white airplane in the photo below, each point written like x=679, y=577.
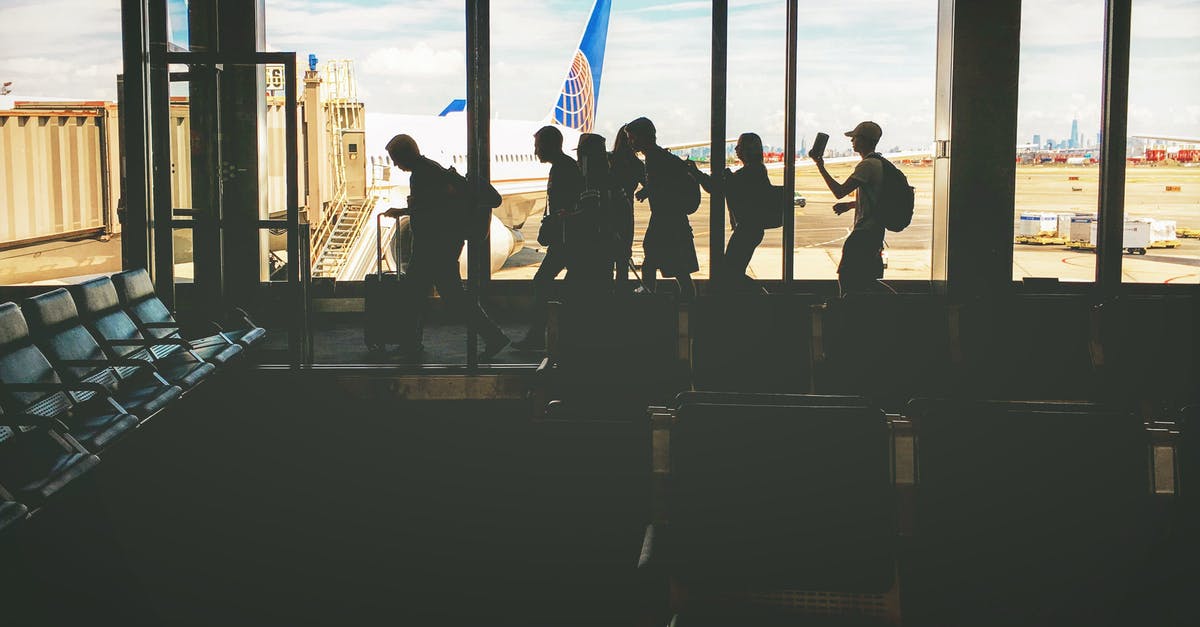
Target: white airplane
x=516, y=172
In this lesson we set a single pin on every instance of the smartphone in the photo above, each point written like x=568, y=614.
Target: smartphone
x=818, y=147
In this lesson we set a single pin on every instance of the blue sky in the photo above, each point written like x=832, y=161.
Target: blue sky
x=859, y=59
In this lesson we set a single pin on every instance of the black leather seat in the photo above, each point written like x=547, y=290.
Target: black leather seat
x=37, y=460
x=136, y=292
x=613, y=356
x=102, y=314
x=1030, y=513
x=60, y=333
x=771, y=502
x=30, y=385
x=11, y=512
x=137, y=388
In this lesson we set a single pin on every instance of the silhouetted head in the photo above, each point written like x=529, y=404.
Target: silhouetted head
x=642, y=135
x=547, y=143
x=404, y=152
x=749, y=148
x=865, y=137
x=590, y=144
x=621, y=147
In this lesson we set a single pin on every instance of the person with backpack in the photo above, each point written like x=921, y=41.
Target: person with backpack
x=626, y=174
x=753, y=207
x=674, y=195
x=883, y=200
x=438, y=210
x=559, y=231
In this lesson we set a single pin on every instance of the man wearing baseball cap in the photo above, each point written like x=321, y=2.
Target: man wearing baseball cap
x=861, y=266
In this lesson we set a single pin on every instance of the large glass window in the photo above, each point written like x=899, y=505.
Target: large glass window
x=1162, y=177
x=862, y=60
x=58, y=93
x=1058, y=136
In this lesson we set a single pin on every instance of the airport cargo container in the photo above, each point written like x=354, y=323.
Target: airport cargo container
x=1033, y=224
x=1135, y=237
x=1155, y=154
x=1188, y=155
x=58, y=172
x=1082, y=225
x=1162, y=231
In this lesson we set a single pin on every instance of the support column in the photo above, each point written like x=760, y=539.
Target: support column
x=478, y=147
x=789, y=145
x=973, y=222
x=1114, y=117
x=137, y=249
x=717, y=132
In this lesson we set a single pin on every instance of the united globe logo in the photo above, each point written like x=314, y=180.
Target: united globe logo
x=576, y=106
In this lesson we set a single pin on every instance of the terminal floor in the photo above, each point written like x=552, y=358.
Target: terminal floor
x=340, y=341
x=282, y=499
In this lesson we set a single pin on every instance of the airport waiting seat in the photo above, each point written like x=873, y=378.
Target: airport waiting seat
x=777, y=510
x=612, y=356
x=136, y=293
x=59, y=331
x=1029, y=513
x=1026, y=347
x=750, y=343
x=102, y=315
x=889, y=347
x=11, y=512
x=29, y=385
x=38, y=458
x=137, y=388
x=1150, y=348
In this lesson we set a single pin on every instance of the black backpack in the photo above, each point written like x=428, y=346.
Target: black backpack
x=473, y=215
x=688, y=188
x=894, y=204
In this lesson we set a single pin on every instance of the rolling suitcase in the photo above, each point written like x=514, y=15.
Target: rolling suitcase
x=389, y=310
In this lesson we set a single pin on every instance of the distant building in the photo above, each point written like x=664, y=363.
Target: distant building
x=1074, y=134
x=1037, y=140
x=1099, y=138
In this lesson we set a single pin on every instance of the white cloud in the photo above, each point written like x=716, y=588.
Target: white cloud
x=419, y=60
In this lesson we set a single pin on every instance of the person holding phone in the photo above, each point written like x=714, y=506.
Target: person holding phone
x=862, y=264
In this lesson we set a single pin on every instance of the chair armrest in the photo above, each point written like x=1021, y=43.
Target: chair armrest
x=166, y=324
x=16, y=421
x=647, y=559
x=243, y=315
x=102, y=363
x=148, y=342
x=75, y=386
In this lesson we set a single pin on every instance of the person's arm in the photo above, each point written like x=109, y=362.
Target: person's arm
x=839, y=190
x=705, y=180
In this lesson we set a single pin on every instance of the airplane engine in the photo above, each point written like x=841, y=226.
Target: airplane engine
x=505, y=243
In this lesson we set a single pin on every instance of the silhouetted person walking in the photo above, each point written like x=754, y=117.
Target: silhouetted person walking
x=563, y=187
x=590, y=232
x=748, y=194
x=437, y=242
x=668, y=243
x=861, y=266
x=626, y=173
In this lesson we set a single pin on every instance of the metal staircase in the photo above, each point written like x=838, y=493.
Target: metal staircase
x=341, y=223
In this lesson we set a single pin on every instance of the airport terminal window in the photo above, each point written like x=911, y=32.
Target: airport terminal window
x=635, y=75
x=863, y=60
x=1162, y=176
x=58, y=113
x=1058, y=137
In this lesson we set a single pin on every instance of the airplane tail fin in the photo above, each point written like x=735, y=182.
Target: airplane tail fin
x=580, y=95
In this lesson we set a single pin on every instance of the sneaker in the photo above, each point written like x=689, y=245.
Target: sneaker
x=493, y=346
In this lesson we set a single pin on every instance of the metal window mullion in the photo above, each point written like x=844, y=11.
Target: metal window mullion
x=160, y=154
x=717, y=133
x=478, y=147
x=789, y=146
x=1114, y=118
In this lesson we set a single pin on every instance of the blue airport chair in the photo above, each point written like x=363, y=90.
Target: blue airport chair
x=30, y=387
x=137, y=296
x=38, y=458
x=59, y=331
